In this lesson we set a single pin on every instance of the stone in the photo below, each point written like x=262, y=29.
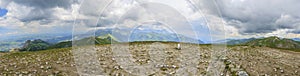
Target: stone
x=56, y=72
x=48, y=67
x=173, y=66
x=116, y=67
x=29, y=74
x=221, y=74
x=72, y=65
x=281, y=71
x=25, y=72
x=231, y=66
x=275, y=69
x=17, y=72
x=42, y=67
x=242, y=73
x=34, y=71
x=158, y=66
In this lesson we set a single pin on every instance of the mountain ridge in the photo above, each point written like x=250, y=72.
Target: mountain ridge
x=275, y=42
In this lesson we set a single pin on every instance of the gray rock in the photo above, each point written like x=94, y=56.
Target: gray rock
x=242, y=73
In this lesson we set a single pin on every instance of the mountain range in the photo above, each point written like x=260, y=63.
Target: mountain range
x=272, y=42
x=65, y=40
x=38, y=44
x=275, y=42
x=145, y=34
x=234, y=41
x=105, y=36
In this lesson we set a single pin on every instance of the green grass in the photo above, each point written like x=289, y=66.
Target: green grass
x=275, y=42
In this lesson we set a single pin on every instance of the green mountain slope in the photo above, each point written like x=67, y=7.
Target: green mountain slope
x=38, y=44
x=105, y=39
x=275, y=42
x=61, y=45
x=35, y=45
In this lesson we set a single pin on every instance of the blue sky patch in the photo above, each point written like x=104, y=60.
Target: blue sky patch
x=3, y=12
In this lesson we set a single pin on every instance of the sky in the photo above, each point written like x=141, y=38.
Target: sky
x=202, y=19
x=3, y=12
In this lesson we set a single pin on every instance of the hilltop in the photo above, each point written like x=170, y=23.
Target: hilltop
x=105, y=39
x=275, y=42
x=35, y=45
x=272, y=42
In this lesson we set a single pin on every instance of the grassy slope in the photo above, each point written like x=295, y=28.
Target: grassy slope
x=275, y=42
x=106, y=39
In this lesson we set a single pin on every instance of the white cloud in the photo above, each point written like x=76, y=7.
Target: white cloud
x=242, y=18
x=254, y=18
x=13, y=21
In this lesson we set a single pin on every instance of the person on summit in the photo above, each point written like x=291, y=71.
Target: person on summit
x=178, y=47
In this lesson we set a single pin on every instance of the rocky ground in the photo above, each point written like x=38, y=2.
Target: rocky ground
x=155, y=59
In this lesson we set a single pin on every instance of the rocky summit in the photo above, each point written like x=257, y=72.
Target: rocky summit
x=152, y=58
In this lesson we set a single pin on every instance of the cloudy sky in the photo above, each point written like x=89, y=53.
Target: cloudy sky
x=203, y=19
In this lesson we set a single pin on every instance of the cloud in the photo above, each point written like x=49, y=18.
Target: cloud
x=38, y=14
x=38, y=17
x=4, y=3
x=241, y=17
x=129, y=13
x=252, y=17
x=35, y=15
x=39, y=9
x=46, y=4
